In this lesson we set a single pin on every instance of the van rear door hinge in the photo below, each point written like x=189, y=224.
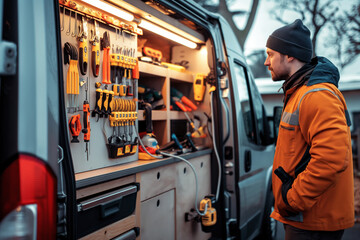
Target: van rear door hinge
x=8, y=54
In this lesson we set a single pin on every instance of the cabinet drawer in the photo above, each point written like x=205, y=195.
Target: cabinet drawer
x=156, y=181
x=102, y=210
x=158, y=217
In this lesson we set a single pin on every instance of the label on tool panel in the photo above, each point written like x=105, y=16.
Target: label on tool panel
x=120, y=151
x=127, y=148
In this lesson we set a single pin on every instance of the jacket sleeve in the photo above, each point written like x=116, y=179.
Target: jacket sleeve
x=323, y=124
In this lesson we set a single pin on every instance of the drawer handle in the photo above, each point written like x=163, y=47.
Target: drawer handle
x=106, y=198
x=111, y=208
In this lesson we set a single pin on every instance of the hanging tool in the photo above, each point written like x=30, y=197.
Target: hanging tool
x=75, y=127
x=105, y=46
x=98, y=103
x=199, y=88
x=86, y=120
x=135, y=75
x=95, y=50
x=72, y=77
x=133, y=65
x=83, y=49
x=105, y=104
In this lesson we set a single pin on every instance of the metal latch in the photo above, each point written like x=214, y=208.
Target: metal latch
x=8, y=54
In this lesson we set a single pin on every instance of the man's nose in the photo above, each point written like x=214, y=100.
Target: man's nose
x=266, y=63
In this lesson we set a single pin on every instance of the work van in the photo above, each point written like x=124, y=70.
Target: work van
x=129, y=120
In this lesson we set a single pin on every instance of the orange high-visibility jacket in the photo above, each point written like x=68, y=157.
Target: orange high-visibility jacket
x=315, y=118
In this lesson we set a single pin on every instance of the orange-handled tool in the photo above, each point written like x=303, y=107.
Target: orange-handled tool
x=86, y=121
x=75, y=127
x=188, y=102
x=176, y=93
x=105, y=46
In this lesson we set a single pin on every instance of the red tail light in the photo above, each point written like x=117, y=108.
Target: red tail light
x=28, y=200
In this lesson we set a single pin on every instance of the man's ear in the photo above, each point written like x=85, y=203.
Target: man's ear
x=290, y=59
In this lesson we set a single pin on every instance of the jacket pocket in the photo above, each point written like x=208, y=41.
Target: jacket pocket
x=287, y=136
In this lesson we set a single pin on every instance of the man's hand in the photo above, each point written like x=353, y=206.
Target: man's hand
x=285, y=210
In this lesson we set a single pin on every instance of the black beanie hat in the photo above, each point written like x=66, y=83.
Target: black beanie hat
x=292, y=40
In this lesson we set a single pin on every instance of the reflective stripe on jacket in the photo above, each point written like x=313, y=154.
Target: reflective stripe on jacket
x=316, y=116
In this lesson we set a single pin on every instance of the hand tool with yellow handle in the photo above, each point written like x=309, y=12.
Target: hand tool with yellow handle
x=105, y=46
x=98, y=103
x=72, y=77
x=83, y=48
x=116, y=89
x=113, y=119
x=83, y=56
x=199, y=88
x=110, y=102
x=105, y=103
x=75, y=127
x=95, y=51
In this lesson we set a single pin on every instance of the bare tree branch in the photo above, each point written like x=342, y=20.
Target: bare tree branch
x=223, y=9
x=343, y=26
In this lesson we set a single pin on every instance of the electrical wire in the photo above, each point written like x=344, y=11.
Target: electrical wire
x=182, y=159
x=215, y=148
x=196, y=181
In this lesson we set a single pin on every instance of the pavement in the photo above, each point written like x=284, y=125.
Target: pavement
x=349, y=234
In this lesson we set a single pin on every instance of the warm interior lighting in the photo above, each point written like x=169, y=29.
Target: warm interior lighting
x=110, y=9
x=167, y=34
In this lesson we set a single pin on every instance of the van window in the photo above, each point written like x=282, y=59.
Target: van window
x=244, y=97
x=257, y=127
x=261, y=122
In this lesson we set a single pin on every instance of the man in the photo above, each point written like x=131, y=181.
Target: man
x=313, y=172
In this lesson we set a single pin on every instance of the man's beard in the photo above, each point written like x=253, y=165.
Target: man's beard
x=283, y=75
x=280, y=77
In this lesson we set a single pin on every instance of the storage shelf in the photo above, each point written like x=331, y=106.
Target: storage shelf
x=181, y=76
x=157, y=115
x=177, y=115
x=150, y=69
